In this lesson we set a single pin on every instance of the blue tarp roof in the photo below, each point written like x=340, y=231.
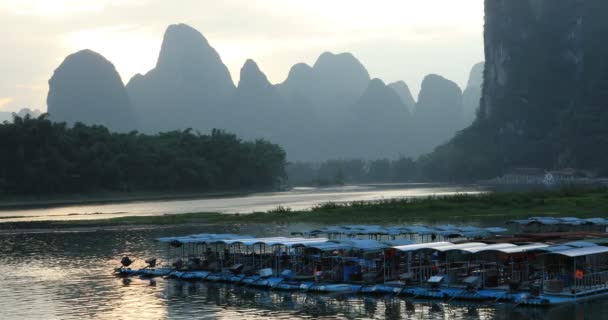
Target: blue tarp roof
x=567, y=247
x=445, y=230
x=422, y=246
x=573, y=221
x=203, y=238
x=579, y=252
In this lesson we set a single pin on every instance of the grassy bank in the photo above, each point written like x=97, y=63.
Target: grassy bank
x=491, y=208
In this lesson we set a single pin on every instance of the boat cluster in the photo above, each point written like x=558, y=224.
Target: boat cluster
x=412, y=232
x=560, y=224
x=371, y=259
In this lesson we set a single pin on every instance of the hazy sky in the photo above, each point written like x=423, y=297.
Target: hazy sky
x=394, y=39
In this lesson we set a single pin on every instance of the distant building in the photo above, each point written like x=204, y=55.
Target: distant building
x=538, y=176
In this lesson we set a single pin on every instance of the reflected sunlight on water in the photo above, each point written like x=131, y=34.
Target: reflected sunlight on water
x=297, y=199
x=68, y=276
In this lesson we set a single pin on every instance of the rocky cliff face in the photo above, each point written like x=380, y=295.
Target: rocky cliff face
x=545, y=94
x=535, y=60
x=188, y=85
x=472, y=94
x=530, y=43
x=86, y=88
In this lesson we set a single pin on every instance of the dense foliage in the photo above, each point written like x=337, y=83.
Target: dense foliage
x=41, y=157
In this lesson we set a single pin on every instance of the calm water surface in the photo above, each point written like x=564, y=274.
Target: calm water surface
x=297, y=199
x=68, y=276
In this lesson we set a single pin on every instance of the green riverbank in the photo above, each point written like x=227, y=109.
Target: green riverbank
x=491, y=208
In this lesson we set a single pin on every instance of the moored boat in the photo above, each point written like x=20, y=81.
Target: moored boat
x=524, y=272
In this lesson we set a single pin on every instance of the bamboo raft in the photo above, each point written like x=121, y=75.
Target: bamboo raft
x=368, y=260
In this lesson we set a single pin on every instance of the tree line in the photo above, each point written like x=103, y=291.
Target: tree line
x=42, y=157
x=342, y=171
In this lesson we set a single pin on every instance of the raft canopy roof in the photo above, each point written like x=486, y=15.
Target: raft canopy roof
x=355, y=244
x=202, y=238
x=461, y=246
x=328, y=246
x=366, y=245
x=275, y=241
x=231, y=239
x=497, y=246
x=569, y=245
x=521, y=249
x=445, y=230
x=579, y=252
x=570, y=249
x=572, y=221
x=399, y=242
x=421, y=246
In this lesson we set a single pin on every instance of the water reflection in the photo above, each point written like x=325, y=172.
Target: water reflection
x=229, y=300
x=299, y=199
x=68, y=276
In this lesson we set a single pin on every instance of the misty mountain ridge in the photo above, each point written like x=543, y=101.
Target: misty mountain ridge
x=403, y=91
x=439, y=111
x=189, y=83
x=332, y=109
x=382, y=122
x=255, y=106
x=87, y=88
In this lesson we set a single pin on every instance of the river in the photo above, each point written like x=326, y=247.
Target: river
x=68, y=276
x=296, y=199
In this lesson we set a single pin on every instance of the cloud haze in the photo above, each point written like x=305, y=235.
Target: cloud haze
x=394, y=39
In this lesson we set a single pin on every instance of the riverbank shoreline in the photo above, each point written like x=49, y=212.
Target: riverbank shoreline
x=100, y=198
x=489, y=208
x=33, y=202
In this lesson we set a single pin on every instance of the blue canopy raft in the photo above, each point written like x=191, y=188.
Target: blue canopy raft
x=474, y=266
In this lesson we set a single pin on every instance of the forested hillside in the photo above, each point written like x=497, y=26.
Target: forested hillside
x=42, y=157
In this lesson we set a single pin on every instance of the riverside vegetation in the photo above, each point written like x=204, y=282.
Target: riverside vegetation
x=40, y=157
x=489, y=208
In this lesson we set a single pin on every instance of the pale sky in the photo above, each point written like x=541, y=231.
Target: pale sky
x=394, y=39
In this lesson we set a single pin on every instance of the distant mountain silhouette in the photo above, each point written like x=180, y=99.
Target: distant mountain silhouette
x=331, y=85
x=439, y=112
x=256, y=110
x=381, y=123
x=87, y=88
x=403, y=91
x=186, y=88
x=331, y=109
x=472, y=94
